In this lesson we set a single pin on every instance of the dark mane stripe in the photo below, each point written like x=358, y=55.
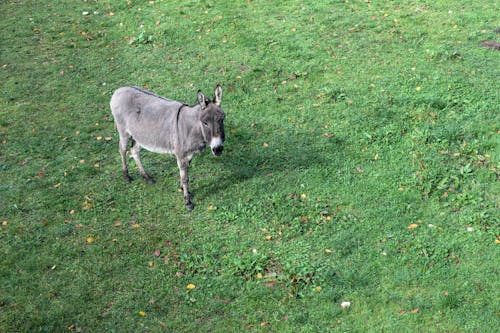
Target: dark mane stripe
x=147, y=92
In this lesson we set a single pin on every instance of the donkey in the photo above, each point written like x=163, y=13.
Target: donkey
x=166, y=126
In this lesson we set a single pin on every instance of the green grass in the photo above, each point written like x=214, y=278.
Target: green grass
x=347, y=122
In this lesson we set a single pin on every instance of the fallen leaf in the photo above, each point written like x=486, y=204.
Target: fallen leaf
x=190, y=286
x=157, y=252
x=142, y=313
x=118, y=223
x=345, y=305
x=318, y=288
x=4, y=223
x=413, y=226
x=90, y=240
x=416, y=310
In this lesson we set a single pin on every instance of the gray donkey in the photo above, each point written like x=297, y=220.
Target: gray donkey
x=166, y=126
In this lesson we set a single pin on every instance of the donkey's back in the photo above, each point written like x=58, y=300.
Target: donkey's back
x=133, y=104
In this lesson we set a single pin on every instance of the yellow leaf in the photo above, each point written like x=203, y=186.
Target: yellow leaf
x=413, y=226
x=90, y=240
x=318, y=288
x=4, y=223
x=259, y=275
x=142, y=313
x=190, y=286
x=135, y=225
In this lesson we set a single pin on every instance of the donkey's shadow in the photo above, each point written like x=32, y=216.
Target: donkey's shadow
x=245, y=157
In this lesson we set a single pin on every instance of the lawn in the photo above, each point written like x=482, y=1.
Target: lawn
x=358, y=190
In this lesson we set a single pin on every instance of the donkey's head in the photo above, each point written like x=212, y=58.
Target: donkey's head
x=212, y=120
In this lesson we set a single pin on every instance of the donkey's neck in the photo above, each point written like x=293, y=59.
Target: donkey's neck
x=189, y=133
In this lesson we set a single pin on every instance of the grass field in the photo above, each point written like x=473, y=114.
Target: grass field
x=361, y=165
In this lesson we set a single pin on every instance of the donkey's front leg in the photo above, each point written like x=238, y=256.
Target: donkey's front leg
x=183, y=168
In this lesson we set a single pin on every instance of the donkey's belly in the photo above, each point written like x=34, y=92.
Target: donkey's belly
x=155, y=144
x=157, y=149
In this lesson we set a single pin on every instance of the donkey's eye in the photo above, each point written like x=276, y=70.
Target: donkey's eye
x=205, y=124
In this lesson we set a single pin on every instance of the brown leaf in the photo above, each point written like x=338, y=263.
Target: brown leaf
x=491, y=44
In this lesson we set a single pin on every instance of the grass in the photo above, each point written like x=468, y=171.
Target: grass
x=361, y=165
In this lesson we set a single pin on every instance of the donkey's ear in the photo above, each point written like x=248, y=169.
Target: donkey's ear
x=202, y=100
x=218, y=95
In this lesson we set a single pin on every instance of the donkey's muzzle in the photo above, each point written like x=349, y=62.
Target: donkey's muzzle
x=216, y=146
x=217, y=151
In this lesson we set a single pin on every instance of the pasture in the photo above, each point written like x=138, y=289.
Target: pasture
x=358, y=190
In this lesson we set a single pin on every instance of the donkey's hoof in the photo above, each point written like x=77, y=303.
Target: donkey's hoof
x=127, y=179
x=148, y=179
x=189, y=206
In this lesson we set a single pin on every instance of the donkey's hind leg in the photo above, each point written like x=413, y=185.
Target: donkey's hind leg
x=124, y=137
x=135, y=152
